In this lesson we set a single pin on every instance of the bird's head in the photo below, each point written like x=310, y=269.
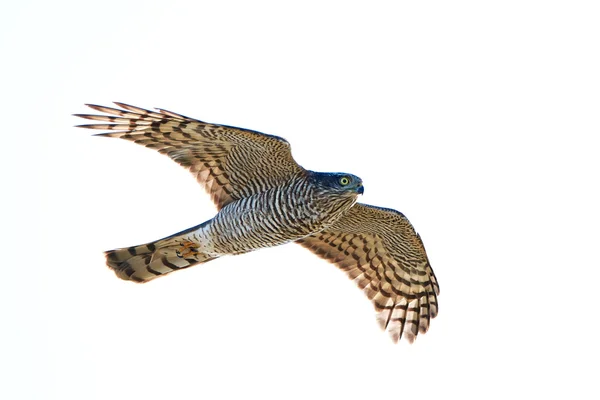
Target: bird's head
x=339, y=183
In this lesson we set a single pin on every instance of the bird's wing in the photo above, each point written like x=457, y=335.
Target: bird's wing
x=379, y=249
x=230, y=163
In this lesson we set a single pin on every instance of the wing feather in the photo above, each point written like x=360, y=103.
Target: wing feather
x=379, y=249
x=230, y=163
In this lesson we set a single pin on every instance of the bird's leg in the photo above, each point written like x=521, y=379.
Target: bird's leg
x=187, y=250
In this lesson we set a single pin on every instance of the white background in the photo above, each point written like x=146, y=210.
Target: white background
x=478, y=120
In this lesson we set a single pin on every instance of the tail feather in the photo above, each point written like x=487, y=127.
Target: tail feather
x=149, y=261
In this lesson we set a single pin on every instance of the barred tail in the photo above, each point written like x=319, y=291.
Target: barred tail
x=149, y=261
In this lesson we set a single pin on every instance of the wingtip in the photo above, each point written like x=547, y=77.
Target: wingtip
x=395, y=336
x=95, y=107
x=84, y=116
x=172, y=114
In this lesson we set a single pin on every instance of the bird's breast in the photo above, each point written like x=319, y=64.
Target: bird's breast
x=274, y=217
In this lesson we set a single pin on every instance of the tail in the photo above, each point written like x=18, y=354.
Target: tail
x=149, y=261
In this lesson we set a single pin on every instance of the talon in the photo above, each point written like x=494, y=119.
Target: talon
x=187, y=250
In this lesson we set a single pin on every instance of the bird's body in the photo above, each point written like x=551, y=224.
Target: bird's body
x=264, y=199
x=279, y=215
x=276, y=216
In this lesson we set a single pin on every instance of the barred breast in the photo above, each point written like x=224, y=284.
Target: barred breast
x=276, y=216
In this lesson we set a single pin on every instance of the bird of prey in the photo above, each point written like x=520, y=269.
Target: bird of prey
x=264, y=198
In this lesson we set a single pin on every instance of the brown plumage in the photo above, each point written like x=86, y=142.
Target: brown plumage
x=380, y=250
x=265, y=199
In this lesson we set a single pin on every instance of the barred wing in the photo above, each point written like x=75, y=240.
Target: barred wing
x=230, y=163
x=379, y=249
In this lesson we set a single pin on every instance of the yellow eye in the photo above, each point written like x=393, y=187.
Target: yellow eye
x=344, y=180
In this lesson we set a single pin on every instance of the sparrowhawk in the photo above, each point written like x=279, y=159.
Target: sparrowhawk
x=264, y=198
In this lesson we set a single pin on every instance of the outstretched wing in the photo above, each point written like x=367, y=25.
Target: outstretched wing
x=379, y=249
x=230, y=163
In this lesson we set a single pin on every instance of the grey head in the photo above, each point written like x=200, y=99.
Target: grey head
x=337, y=182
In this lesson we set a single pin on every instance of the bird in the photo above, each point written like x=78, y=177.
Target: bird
x=264, y=198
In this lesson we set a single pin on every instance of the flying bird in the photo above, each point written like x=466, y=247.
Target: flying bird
x=264, y=198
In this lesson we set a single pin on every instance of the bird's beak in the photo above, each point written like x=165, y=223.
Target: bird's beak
x=360, y=189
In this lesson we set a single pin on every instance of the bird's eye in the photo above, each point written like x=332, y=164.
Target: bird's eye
x=344, y=180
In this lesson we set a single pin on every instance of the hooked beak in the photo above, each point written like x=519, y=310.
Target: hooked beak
x=360, y=189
